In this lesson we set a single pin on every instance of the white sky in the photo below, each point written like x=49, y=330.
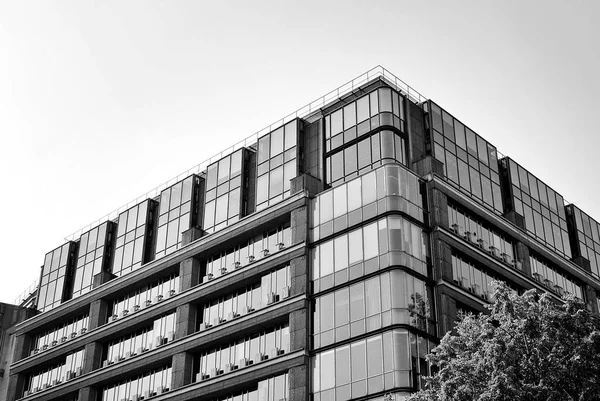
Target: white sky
x=102, y=101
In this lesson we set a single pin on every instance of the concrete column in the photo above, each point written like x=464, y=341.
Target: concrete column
x=298, y=383
x=93, y=357
x=299, y=275
x=88, y=394
x=185, y=323
x=299, y=225
x=442, y=261
x=522, y=255
x=191, y=235
x=305, y=182
x=16, y=387
x=182, y=364
x=23, y=344
x=99, y=310
x=298, y=330
x=101, y=278
x=439, y=209
x=515, y=218
x=428, y=165
x=189, y=273
x=447, y=313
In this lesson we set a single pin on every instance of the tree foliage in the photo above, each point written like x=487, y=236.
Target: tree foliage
x=528, y=348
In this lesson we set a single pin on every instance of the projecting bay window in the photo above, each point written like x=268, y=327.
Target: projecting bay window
x=394, y=297
x=144, y=386
x=277, y=164
x=68, y=369
x=145, y=297
x=378, y=363
x=57, y=267
x=251, y=350
x=247, y=252
x=273, y=287
x=58, y=335
x=159, y=333
x=475, y=232
x=553, y=279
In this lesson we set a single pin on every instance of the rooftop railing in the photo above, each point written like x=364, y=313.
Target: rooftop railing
x=27, y=293
x=334, y=95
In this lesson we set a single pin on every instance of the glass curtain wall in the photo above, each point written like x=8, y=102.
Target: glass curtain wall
x=57, y=267
x=272, y=389
x=587, y=239
x=58, y=335
x=145, y=296
x=146, y=385
x=553, y=279
x=93, y=257
x=70, y=368
x=473, y=277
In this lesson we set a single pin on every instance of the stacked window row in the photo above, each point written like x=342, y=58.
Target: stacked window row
x=272, y=389
x=273, y=286
x=254, y=349
x=394, y=297
x=470, y=162
x=341, y=206
x=588, y=238
x=54, y=375
x=145, y=296
x=223, y=202
x=383, y=107
x=553, y=279
x=161, y=332
x=391, y=234
x=58, y=335
x=542, y=208
x=254, y=249
x=472, y=277
x=134, y=226
x=365, y=155
x=276, y=164
x=381, y=362
x=144, y=386
x=474, y=231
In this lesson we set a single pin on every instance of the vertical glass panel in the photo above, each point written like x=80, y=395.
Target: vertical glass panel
x=370, y=241
x=276, y=182
x=374, y=103
x=342, y=365
x=349, y=116
x=358, y=358
x=372, y=296
x=263, y=149
x=341, y=252
x=327, y=370
x=357, y=302
x=342, y=305
x=262, y=189
x=276, y=142
x=385, y=99
x=336, y=122
x=387, y=144
x=362, y=106
x=364, y=153
x=355, y=246
x=374, y=356
x=354, y=194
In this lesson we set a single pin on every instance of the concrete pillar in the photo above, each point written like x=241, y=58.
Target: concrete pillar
x=299, y=275
x=583, y=263
x=93, y=357
x=298, y=383
x=298, y=330
x=23, y=346
x=189, y=273
x=516, y=219
x=522, y=255
x=442, y=261
x=101, y=278
x=182, y=364
x=99, y=310
x=88, y=394
x=439, y=209
x=299, y=225
x=428, y=165
x=447, y=313
x=185, y=323
x=16, y=386
x=191, y=235
x=305, y=182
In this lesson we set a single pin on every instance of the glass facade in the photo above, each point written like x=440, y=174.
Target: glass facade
x=380, y=362
x=250, y=350
x=470, y=162
x=93, y=257
x=63, y=333
x=252, y=250
x=145, y=296
x=134, y=241
x=272, y=287
x=277, y=164
x=473, y=277
x=542, y=207
x=553, y=278
x=394, y=297
x=160, y=332
x=57, y=267
x=70, y=368
x=178, y=212
x=586, y=242
x=224, y=199
x=387, y=242
x=146, y=385
x=482, y=235
x=365, y=155
x=272, y=389
x=383, y=107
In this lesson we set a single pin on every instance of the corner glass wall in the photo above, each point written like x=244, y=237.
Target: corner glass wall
x=276, y=164
x=394, y=297
x=470, y=162
x=381, y=362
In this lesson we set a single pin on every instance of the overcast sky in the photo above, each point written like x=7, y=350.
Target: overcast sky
x=102, y=101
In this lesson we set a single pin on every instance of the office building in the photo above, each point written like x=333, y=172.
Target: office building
x=320, y=259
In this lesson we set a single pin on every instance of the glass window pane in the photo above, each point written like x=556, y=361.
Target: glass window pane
x=341, y=252
x=359, y=365
x=370, y=241
x=327, y=370
x=355, y=246
x=349, y=116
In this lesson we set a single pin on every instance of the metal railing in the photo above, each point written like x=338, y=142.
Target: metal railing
x=27, y=293
x=374, y=73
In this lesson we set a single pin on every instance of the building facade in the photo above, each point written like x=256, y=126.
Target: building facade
x=321, y=259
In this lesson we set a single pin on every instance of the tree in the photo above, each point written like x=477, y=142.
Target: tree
x=529, y=347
